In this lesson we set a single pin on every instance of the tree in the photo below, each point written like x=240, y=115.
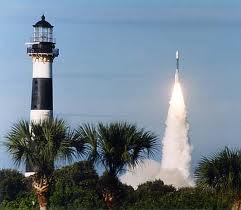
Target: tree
x=75, y=187
x=166, y=198
x=153, y=189
x=222, y=173
x=11, y=184
x=41, y=145
x=115, y=146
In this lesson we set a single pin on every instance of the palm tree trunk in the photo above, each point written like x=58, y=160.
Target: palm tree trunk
x=42, y=200
x=109, y=190
x=237, y=204
x=41, y=187
x=110, y=201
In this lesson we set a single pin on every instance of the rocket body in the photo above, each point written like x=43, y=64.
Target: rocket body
x=177, y=67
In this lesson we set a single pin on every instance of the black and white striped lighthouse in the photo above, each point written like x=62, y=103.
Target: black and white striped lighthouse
x=42, y=50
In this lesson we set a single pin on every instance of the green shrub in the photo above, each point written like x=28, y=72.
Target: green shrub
x=75, y=187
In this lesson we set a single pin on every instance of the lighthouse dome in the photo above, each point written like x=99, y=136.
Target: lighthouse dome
x=43, y=23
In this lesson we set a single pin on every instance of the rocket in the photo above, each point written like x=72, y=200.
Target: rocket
x=177, y=67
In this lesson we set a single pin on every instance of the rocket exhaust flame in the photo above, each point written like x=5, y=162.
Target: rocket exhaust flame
x=177, y=76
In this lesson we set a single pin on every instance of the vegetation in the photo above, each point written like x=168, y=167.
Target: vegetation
x=40, y=145
x=222, y=173
x=113, y=146
x=167, y=197
x=116, y=146
x=73, y=190
x=11, y=183
x=75, y=187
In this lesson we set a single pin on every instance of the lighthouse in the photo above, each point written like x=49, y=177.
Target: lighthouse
x=41, y=49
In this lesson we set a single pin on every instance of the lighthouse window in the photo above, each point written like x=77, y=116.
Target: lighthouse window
x=42, y=34
x=36, y=34
x=50, y=34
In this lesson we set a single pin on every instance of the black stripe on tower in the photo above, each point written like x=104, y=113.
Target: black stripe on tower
x=42, y=94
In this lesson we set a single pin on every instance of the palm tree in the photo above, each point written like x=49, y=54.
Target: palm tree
x=116, y=146
x=222, y=173
x=40, y=145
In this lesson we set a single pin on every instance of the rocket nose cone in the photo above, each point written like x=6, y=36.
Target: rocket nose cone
x=177, y=54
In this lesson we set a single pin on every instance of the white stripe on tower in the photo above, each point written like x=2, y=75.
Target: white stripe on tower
x=42, y=68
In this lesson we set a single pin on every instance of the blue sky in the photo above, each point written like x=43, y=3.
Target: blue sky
x=117, y=62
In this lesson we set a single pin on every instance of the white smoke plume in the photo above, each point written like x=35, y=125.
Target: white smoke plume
x=176, y=151
x=144, y=172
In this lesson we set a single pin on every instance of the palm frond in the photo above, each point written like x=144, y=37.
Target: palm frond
x=18, y=141
x=88, y=136
x=42, y=144
x=221, y=171
x=117, y=145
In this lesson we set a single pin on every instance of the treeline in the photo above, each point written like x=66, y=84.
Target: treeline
x=78, y=187
x=113, y=147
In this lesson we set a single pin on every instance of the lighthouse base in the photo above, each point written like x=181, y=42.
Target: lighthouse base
x=37, y=116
